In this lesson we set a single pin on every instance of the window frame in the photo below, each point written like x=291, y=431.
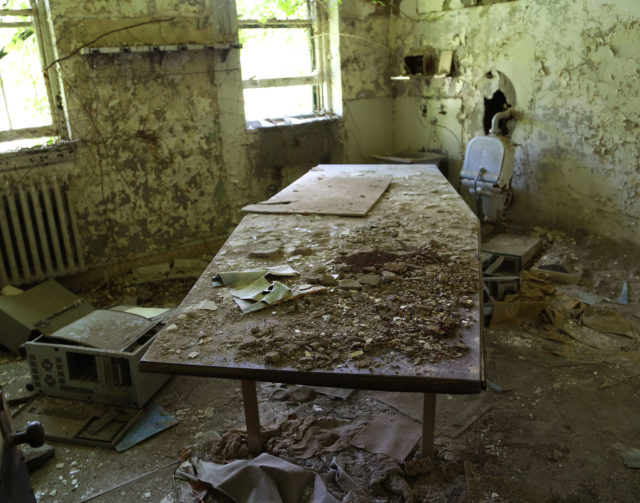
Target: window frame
x=319, y=78
x=59, y=126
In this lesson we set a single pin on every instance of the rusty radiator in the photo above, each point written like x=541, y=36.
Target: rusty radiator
x=38, y=233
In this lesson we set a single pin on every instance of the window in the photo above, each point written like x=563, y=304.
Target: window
x=284, y=59
x=26, y=115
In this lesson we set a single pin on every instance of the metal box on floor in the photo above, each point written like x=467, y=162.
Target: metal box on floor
x=96, y=358
x=517, y=251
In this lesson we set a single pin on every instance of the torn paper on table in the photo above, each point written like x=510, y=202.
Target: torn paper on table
x=258, y=288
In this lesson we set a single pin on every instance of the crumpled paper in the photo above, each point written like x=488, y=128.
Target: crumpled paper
x=255, y=289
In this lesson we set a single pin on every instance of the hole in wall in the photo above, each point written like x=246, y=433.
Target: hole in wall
x=498, y=94
x=422, y=64
x=496, y=104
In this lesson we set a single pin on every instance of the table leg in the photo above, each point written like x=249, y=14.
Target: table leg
x=252, y=417
x=428, y=424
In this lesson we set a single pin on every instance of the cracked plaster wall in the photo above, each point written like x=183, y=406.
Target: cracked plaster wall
x=574, y=66
x=367, y=65
x=164, y=160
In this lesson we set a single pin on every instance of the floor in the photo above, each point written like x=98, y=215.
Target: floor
x=553, y=425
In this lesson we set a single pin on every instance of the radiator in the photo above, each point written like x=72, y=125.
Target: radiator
x=38, y=233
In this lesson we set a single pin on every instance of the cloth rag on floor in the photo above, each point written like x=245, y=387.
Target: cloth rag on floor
x=310, y=436
x=525, y=305
x=265, y=479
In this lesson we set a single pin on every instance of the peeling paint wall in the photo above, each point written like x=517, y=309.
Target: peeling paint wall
x=164, y=159
x=367, y=65
x=574, y=66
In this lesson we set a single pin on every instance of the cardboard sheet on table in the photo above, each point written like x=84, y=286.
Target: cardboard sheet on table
x=321, y=193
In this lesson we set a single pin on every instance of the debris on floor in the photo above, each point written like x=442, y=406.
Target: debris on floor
x=624, y=294
x=95, y=357
x=555, y=435
x=539, y=299
x=393, y=436
x=511, y=252
x=524, y=305
x=264, y=478
x=42, y=309
x=35, y=457
x=180, y=269
x=305, y=437
x=607, y=321
x=153, y=420
x=631, y=458
x=83, y=354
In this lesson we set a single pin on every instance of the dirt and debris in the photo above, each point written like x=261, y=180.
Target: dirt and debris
x=400, y=294
x=561, y=417
x=417, y=316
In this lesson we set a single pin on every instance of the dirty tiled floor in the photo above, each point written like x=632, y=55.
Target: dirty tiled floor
x=553, y=425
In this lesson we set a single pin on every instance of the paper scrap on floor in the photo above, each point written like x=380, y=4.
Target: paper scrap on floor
x=453, y=416
x=153, y=420
x=394, y=436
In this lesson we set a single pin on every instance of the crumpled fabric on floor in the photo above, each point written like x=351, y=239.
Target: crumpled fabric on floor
x=265, y=479
x=607, y=321
x=307, y=437
x=525, y=305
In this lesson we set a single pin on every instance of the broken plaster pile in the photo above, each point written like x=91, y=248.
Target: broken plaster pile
x=395, y=291
x=384, y=300
x=408, y=319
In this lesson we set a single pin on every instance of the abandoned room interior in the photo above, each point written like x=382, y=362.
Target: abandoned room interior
x=319, y=250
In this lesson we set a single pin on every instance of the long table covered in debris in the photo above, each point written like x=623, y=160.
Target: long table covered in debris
x=355, y=276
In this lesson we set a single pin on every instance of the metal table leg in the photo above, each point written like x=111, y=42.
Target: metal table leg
x=428, y=424
x=252, y=417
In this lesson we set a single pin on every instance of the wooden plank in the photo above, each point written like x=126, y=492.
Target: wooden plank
x=319, y=192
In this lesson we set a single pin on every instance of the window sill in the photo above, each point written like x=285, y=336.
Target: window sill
x=289, y=121
x=63, y=151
